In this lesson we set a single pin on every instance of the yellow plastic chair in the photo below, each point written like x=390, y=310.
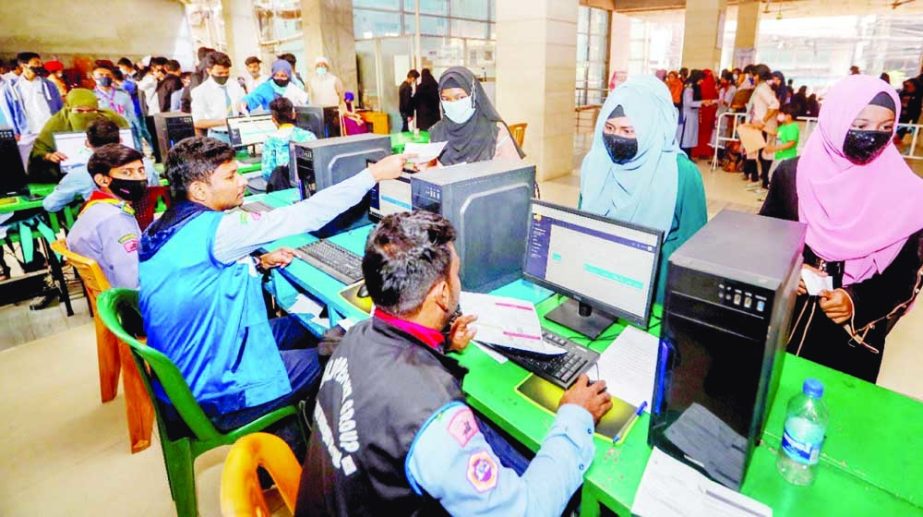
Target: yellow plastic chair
x=240, y=486
x=113, y=355
x=518, y=131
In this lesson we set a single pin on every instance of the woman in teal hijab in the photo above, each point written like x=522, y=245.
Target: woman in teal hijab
x=635, y=171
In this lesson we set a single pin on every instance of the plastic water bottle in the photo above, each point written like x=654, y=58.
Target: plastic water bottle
x=803, y=436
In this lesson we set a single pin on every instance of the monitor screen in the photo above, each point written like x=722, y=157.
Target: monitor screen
x=73, y=145
x=13, y=179
x=603, y=263
x=244, y=131
x=390, y=197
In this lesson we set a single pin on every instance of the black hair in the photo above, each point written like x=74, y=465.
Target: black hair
x=405, y=255
x=159, y=61
x=413, y=73
x=281, y=109
x=251, y=60
x=102, y=131
x=727, y=75
x=173, y=66
x=789, y=109
x=24, y=57
x=218, y=58
x=124, y=61
x=111, y=156
x=203, y=53
x=748, y=69
x=763, y=72
x=683, y=70
x=194, y=159
x=288, y=56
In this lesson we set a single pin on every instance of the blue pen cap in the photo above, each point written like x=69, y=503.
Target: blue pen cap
x=813, y=388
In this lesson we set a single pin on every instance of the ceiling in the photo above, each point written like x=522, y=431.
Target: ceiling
x=790, y=8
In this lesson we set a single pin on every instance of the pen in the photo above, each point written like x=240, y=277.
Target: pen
x=626, y=427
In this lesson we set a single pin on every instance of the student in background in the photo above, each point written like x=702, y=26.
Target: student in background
x=861, y=204
x=635, y=171
x=276, y=146
x=149, y=83
x=118, y=101
x=254, y=76
x=326, y=88
x=279, y=85
x=426, y=101
x=787, y=136
x=81, y=109
x=405, y=98
x=296, y=77
x=761, y=109
x=472, y=128
x=28, y=101
x=78, y=182
x=56, y=75
x=106, y=229
x=176, y=100
x=170, y=84
x=217, y=98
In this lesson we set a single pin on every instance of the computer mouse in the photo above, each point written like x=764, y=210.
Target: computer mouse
x=363, y=292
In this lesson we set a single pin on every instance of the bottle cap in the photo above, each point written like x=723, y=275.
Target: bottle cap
x=813, y=388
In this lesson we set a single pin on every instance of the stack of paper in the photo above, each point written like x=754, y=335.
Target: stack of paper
x=507, y=322
x=672, y=488
x=628, y=366
x=423, y=153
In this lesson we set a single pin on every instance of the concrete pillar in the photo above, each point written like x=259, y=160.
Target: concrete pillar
x=536, y=78
x=619, y=45
x=704, y=33
x=748, y=25
x=328, y=31
x=241, y=32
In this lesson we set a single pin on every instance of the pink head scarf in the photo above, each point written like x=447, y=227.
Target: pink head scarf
x=860, y=214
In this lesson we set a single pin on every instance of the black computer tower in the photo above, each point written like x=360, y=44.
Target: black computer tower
x=323, y=122
x=13, y=179
x=727, y=314
x=488, y=203
x=170, y=128
x=320, y=164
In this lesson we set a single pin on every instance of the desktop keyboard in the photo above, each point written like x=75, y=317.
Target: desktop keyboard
x=256, y=207
x=335, y=260
x=561, y=370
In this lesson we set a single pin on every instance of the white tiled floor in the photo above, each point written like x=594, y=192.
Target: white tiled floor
x=64, y=453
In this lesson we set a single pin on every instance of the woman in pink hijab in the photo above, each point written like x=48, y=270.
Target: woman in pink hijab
x=863, y=207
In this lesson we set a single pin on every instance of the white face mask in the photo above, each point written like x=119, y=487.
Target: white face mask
x=459, y=111
x=321, y=71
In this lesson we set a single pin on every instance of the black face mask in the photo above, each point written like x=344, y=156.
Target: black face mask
x=39, y=71
x=105, y=82
x=862, y=146
x=621, y=149
x=129, y=190
x=220, y=80
x=281, y=83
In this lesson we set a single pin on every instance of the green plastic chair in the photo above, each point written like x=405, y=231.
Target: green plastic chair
x=118, y=305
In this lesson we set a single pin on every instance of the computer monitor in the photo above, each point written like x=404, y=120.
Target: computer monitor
x=323, y=122
x=607, y=268
x=13, y=179
x=245, y=131
x=390, y=197
x=73, y=145
x=169, y=129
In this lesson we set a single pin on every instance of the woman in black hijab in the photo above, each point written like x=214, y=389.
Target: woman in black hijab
x=472, y=128
x=426, y=101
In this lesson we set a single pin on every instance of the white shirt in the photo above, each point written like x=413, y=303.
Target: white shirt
x=762, y=100
x=9, y=76
x=324, y=90
x=34, y=103
x=253, y=83
x=295, y=94
x=210, y=100
x=148, y=86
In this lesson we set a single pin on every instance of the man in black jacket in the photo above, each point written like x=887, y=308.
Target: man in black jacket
x=406, y=98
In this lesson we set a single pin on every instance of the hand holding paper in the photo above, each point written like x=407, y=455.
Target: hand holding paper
x=815, y=281
x=424, y=153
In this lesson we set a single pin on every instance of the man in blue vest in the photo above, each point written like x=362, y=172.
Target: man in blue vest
x=201, y=290
x=392, y=433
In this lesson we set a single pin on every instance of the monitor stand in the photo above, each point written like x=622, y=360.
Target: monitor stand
x=581, y=318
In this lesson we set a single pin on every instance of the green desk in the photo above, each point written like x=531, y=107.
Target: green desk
x=872, y=463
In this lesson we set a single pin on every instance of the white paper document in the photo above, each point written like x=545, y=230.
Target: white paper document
x=628, y=366
x=507, y=322
x=671, y=488
x=815, y=282
x=424, y=152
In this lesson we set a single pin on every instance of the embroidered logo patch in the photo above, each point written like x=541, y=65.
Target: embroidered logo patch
x=131, y=246
x=463, y=427
x=482, y=471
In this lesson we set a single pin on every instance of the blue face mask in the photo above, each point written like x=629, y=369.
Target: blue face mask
x=459, y=111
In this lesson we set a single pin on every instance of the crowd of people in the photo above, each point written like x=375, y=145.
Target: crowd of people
x=406, y=442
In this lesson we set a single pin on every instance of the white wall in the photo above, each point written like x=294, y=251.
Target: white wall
x=96, y=28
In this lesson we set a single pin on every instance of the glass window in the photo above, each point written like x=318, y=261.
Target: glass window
x=369, y=24
x=469, y=29
x=583, y=20
x=592, y=55
x=392, y=5
x=474, y=9
x=427, y=6
x=429, y=25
